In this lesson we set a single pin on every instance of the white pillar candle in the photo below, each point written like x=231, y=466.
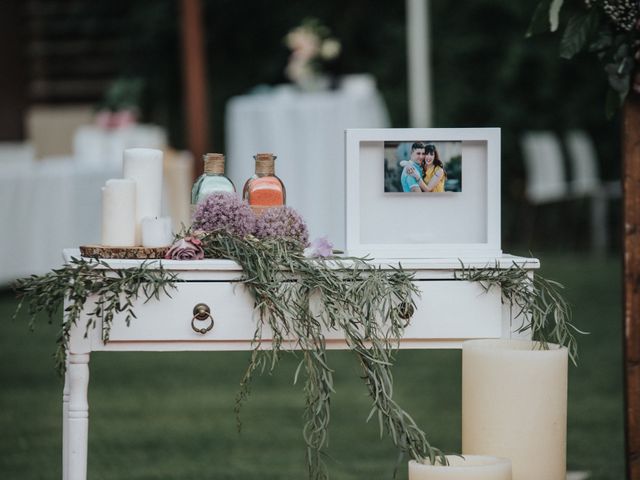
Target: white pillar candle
x=156, y=232
x=514, y=404
x=144, y=165
x=469, y=467
x=119, y=213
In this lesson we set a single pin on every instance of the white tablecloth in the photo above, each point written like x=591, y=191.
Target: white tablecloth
x=56, y=203
x=46, y=206
x=306, y=132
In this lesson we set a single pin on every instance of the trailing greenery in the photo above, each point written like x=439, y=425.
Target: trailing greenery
x=301, y=300
x=113, y=292
x=298, y=301
x=535, y=300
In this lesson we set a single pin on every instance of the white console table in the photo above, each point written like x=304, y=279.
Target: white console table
x=448, y=312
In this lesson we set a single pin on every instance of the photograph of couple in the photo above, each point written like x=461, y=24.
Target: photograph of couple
x=422, y=167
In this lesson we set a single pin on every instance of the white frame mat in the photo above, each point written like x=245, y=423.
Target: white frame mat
x=415, y=225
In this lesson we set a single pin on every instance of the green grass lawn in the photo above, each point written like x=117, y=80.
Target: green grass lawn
x=170, y=415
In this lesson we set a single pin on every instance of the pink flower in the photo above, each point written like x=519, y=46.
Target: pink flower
x=320, y=247
x=187, y=248
x=120, y=119
x=103, y=119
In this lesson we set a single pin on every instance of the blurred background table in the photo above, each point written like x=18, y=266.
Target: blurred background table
x=306, y=132
x=54, y=202
x=46, y=204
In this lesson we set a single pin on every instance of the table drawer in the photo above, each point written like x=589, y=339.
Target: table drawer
x=446, y=309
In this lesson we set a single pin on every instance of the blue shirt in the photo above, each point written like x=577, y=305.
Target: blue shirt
x=407, y=181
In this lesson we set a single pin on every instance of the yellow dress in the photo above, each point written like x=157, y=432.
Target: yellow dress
x=430, y=172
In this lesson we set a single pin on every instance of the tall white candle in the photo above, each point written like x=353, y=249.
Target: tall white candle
x=156, y=232
x=144, y=165
x=119, y=213
x=469, y=467
x=514, y=404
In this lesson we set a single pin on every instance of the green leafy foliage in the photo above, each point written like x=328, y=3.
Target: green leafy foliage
x=607, y=29
x=534, y=300
x=540, y=19
x=301, y=299
x=298, y=299
x=579, y=30
x=113, y=292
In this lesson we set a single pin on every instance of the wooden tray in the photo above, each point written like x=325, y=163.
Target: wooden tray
x=139, y=253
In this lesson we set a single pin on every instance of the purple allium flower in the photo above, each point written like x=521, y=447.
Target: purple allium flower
x=224, y=211
x=187, y=248
x=282, y=222
x=320, y=247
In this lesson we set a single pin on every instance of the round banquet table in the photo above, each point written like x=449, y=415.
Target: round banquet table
x=45, y=206
x=305, y=130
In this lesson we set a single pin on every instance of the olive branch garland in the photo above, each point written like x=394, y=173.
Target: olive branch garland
x=537, y=301
x=296, y=297
x=303, y=298
x=299, y=299
x=115, y=290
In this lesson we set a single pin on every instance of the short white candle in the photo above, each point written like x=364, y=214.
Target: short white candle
x=514, y=404
x=144, y=165
x=469, y=467
x=156, y=232
x=119, y=213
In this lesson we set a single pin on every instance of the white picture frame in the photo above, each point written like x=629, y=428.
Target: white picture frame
x=461, y=225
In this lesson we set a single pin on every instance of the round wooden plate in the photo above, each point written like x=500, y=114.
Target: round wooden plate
x=138, y=253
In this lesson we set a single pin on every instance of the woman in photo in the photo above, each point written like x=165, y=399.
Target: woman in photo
x=434, y=174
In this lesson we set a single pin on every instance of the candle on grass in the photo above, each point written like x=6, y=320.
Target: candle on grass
x=156, y=232
x=118, y=213
x=144, y=165
x=514, y=404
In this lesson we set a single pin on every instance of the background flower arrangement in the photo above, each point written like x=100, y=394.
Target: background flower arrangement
x=312, y=50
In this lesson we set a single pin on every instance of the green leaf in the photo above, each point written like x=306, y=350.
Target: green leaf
x=613, y=102
x=540, y=19
x=579, y=29
x=554, y=14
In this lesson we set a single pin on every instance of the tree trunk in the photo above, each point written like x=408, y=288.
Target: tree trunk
x=631, y=176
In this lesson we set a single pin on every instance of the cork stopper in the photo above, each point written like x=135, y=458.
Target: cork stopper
x=265, y=164
x=214, y=163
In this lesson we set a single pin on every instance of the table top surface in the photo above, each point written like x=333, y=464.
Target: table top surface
x=504, y=261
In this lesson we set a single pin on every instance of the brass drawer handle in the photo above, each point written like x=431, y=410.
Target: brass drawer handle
x=202, y=312
x=405, y=311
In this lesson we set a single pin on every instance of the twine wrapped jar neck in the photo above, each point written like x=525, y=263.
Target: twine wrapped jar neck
x=214, y=163
x=265, y=164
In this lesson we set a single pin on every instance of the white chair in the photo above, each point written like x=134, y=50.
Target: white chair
x=547, y=179
x=586, y=182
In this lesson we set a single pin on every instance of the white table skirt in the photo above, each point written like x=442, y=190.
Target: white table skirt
x=306, y=132
x=44, y=207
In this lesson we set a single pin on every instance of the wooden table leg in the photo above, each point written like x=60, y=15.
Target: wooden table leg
x=77, y=431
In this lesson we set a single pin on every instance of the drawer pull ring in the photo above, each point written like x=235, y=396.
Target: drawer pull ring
x=405, y=311
x=201, y=312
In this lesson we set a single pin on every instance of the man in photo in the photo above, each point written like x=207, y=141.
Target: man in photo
x=408, y=181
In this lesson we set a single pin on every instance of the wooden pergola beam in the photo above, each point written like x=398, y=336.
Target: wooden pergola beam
x=194, y=80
